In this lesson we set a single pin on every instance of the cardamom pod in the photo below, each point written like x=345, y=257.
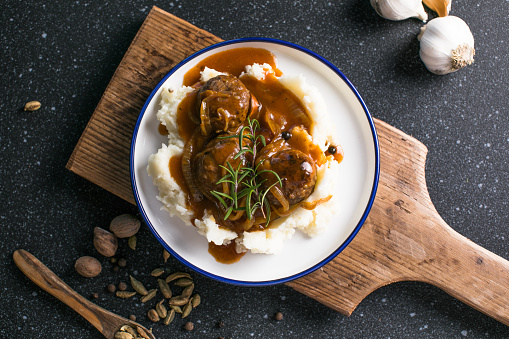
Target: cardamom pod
x=123, y=335
x=169, y=317
x=161, y=310
x=183, y=282
x=138, y=286
x=153, y=316
x=150, y=294
x=157, y=272
x=142, y=332
x=196, y=300
x=165, y=288
x=128, y=329
x=187, y=310
x=124, y=294
x=177, y=275
x=32, y=106
x=176, y=308
x=166, y=255
x=186, y=293
x=178, y=301
x=132, y=242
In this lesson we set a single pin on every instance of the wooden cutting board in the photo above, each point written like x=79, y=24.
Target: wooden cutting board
x=403, y=239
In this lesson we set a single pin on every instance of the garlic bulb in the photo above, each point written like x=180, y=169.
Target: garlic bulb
x=400, y=9
x=446, y=45
x=442, y=7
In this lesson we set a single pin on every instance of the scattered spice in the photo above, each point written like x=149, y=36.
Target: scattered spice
x=132, y=242
x=278, y=316
x=220, y=324
x=138, y=286
x=166, y=255
x=189, y=326
x=157, y=272
x=122, y=286
x=286, y=135
x=125, y=294
x=150, y=294
x=132, y=317
x=32, y=106
x=153, y=316
x=88, y=266
x=116, y=268
x=94, y=295
x=125, y=225
x=111, y=288
x=169, y=317
x=122, y=262
x=113, y=260
x=165, y=288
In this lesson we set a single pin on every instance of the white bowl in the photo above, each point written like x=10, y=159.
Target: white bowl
x=301, y=254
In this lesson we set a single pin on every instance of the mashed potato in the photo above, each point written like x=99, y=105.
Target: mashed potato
x=270, y=240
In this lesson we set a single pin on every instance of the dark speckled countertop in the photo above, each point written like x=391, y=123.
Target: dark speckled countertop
x=63, y=53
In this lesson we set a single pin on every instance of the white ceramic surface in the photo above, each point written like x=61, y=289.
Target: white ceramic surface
x=301, y=254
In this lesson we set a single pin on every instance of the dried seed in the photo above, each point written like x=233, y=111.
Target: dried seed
x=187, y=310
x=165, y=288
x=166, y=255
x=278, y=316
x=122, y=286
x=122, y=262
x=157, y=272
x=125, y=294
x=177, y=275
x=176, y=308
x=189, y=326
x=153, y=316
x=169, y=317
x=132, y=242
x=150, y=294
x=161, y=310
x=138, y=286
x=94, y=295
x=111, y=288
x=132, y=317
x=183, y=282
x=178, y=301
x=128, y=329
x=32, y=106
x=196, y=300
x=123, y=335
x=186, y=293
x=142, y=332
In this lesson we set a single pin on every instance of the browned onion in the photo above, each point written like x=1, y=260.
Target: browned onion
x=278, y=194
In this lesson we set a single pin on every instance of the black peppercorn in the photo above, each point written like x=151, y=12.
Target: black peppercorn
x=286, y=135
x=332, y=150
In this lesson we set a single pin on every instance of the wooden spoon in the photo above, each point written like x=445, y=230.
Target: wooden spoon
x=106, y=322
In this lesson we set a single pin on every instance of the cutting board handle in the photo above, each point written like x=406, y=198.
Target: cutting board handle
x=405, y=239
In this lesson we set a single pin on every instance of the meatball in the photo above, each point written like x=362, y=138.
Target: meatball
x=296, y=170
x=206, y=164
x=222, y=104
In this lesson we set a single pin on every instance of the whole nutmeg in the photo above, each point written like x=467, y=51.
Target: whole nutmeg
x=125, y=225
x=105, y=242
x=88, y=266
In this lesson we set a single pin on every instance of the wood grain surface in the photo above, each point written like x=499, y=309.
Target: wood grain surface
x=403, y=239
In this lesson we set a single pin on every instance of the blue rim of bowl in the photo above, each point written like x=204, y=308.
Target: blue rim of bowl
x=359, y=223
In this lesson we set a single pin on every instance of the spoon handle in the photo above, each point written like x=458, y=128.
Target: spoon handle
x=51, y=283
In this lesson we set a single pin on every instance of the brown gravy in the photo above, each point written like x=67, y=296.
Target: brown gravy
x=278, y=107
x=232, y=61
x=225, y=254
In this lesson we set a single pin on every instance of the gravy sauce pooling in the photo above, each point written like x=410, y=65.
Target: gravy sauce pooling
x=278, y=111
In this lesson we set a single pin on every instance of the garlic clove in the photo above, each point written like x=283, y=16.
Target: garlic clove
x=400, y=9
x=441, y=7
x=446, y=45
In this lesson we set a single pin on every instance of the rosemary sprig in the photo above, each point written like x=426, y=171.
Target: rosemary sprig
x=244, y=181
